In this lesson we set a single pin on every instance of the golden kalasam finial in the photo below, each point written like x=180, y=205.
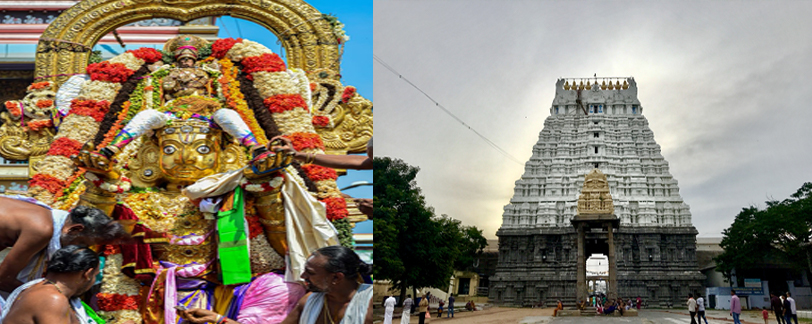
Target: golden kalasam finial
x=589, y=85
x=611, y=86
x=185, y=46
x=603, y=85
x=567, y=85
x=617, y=86
x=581, y=86
x=625, y=85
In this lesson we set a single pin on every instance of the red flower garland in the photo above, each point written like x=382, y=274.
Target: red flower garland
x=312, y=86
x=266, y=62
x=321, y=121
x=37, y=125
x=114, y=302
x=254, y=226
x=65, y=147
x=149, y=55
x=47, y=182
x=283, y=102
x=92, y=108
x=348, y=93
x=222, y=46
x=45, y=103
x=39, y=85
x=14, y=108
x=336, y=208
x=303, y=141
x=319, y=173
x=109, y=72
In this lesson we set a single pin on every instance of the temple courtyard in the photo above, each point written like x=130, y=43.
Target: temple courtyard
x=544, y=315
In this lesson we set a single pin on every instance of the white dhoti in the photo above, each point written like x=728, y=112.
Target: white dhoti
x=356, y=310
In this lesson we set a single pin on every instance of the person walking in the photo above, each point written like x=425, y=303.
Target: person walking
x=639, y=302
x=792, y=308
x=692, y=307
x=787, y=310
x=423, y=307
x=700, y=309
x=777, y=307
x=389, y=308
x=407, y=310
x=450, y=306
x=735, y=307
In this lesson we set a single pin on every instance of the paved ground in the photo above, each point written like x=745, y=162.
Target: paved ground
x=544, y=316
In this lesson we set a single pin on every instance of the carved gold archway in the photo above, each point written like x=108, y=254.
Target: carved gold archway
x=65, y=45
x=311, y=45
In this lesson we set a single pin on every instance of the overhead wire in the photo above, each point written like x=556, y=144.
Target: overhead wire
x=437, y=104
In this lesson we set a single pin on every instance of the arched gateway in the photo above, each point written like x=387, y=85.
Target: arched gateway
x=65, y=45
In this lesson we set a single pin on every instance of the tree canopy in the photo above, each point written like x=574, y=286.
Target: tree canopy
x=783, y=229
x=413, y=247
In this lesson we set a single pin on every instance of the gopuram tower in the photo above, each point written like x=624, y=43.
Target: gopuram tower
x=596, y=184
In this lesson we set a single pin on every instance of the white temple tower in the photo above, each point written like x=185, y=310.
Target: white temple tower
x=596, y=123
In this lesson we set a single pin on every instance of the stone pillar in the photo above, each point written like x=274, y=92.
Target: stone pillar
x=581, y=288
x=612, y=284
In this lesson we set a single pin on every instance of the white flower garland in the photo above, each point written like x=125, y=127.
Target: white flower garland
x=99, y=90
x=273, y=83
x=129, y=60
x=294, y=121
x=264, y=258
x=79, y=128
x=246, y=48
x=302, y=85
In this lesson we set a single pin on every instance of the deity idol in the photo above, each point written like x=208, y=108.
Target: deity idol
x=222, y=224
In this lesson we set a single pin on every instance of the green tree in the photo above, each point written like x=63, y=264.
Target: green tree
x=414, y=248
x=783, y=229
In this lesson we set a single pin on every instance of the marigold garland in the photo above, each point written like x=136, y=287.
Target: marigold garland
x=111, y=249
x=113, y=302
x=73, y=183
x=109, y=72
x=336, y=208
x=284, y=102
x=111, y=134
x=40, y=85
x=222, y=46
x=319, y=173
x=65, y=147
x=236, y=100
x=13, y=107
x=302, y=141
x=321, y=121
x=45, y=103
x=313, y=86
x=37, y=125
x=269, y=62
x=149, y=55
x=47, y=182
x=91, y=108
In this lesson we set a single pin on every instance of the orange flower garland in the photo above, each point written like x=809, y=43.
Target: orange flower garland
x=111, y=134
x=284, y=102
x=348, y=93
x=321, y=121
x=47, y=182
x=149, y=55
x=236, y=100
x=39, y=85
x=65, y=147
x=13, y=107
x=222, y=46
x=319, y=173
x=336, y=208
x=37, y=125
x=45, y=103
x=92, y=108
x=303, y=141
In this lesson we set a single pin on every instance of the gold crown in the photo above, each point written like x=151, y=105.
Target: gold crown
x=179, y=128
x=185, y=46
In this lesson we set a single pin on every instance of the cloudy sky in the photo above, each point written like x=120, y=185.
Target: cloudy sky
x=726, y=88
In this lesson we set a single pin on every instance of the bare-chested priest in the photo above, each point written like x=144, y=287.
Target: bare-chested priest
x=34, y=232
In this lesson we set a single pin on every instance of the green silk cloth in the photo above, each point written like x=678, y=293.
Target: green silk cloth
x=235, y=262
x=90, y=312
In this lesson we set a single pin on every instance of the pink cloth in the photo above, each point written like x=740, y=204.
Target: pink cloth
x=269, y=299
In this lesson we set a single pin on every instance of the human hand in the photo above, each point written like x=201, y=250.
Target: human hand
x=197, y=315
x=281, y=144
x=365, y=206
x=95, y=162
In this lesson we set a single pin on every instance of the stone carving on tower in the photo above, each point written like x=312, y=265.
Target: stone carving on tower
x=595, y=197
x=596, y=128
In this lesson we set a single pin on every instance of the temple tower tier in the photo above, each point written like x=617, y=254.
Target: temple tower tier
x=596, y=184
